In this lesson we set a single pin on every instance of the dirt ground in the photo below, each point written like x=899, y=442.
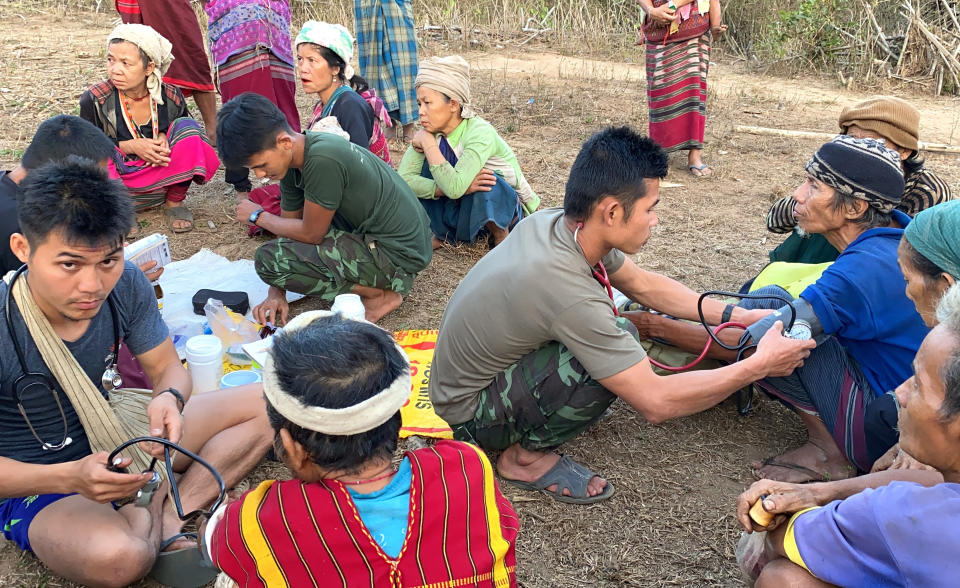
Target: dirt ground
x=672, y=519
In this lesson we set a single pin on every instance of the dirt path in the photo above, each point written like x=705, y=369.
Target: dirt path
x=940, y=120
x=671, y=522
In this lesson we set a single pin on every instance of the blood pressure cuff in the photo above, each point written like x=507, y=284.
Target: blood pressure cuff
x=803, y=312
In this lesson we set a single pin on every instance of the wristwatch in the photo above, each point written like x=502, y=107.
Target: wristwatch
x=255, y=215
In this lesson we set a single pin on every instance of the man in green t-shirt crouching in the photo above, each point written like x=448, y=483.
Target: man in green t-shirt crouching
x=348, y=222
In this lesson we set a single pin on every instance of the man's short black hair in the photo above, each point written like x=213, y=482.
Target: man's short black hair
x=613, y=162
x=335, y=363
x=64, y=135
x=76, y=198
x=247, y=125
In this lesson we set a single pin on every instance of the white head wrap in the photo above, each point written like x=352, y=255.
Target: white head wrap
x=157, y=48
x=334, y=37
x=449, y=75
x=369, y=414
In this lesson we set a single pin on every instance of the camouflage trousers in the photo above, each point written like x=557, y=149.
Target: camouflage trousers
x=341, y=261
x=540, y=402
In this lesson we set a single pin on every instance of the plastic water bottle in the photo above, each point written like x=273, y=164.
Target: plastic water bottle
x=205, y=362
x=350, y=306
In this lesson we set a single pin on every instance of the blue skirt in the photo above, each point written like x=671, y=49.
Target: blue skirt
x=460, y=220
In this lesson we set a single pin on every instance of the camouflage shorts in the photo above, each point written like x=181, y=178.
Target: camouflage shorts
x=341, y=261
x=540, y=402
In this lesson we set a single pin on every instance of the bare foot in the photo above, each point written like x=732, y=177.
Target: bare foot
x=381, y=304
x=516, y=463
x=437, y=243
x=810, y=463
x=497, y=235
x=695, y=164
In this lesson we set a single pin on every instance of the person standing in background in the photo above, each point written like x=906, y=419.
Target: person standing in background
x=251, y=49
x=387, y=52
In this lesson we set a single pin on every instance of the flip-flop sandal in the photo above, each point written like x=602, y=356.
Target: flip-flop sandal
x=182, y=568
x=815, y=476
x=700, y=168
x=567, y=475
x=181, y=213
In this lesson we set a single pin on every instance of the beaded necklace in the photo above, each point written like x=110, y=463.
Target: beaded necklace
x=132, y=124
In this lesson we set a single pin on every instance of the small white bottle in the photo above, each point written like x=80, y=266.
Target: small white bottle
x=350, y=306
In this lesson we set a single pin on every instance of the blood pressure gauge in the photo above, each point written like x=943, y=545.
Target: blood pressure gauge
x=800, y=330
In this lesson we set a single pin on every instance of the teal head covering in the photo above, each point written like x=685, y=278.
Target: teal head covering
x=334, y=37
x=935, y=234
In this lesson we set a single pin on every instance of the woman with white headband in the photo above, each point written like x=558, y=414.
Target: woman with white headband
x=465, y=175
x=351, y=516
x=161, y=150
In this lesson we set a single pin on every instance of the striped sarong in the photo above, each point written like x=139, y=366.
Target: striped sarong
x=387, y=53
x=831, y=385
x=191, y=159
x=677, y=92
x=260, y=70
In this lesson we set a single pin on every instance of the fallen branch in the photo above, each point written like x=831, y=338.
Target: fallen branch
x=924, y=146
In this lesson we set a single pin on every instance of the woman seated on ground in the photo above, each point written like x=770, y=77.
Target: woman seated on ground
x=886, y=529
x=337, y=420
x=324, y=52
x=895, y=121
x=160, y=149
x=466, y=176
x=929, y=257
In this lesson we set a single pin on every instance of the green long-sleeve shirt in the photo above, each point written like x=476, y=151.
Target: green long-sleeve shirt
x=477, y=145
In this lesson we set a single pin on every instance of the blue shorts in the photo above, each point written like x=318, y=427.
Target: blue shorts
x=16, y=514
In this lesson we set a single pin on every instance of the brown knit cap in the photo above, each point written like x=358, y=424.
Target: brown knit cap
x=889, y=117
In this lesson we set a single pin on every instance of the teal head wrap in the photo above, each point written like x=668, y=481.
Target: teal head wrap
x=935, y=234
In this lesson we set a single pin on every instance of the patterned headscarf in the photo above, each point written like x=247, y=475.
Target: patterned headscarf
x=450, y=76
x=334, y=37
x=935, y=234
x=861, y=168
x=157, y=48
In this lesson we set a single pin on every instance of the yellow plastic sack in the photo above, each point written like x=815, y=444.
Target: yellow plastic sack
x=417, y=414
x=792, y=277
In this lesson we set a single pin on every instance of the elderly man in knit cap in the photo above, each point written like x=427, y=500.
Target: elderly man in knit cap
x=465, y=175
x=867, y=330
x=897, y=123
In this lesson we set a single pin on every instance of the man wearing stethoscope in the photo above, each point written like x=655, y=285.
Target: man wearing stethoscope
x=55, y=496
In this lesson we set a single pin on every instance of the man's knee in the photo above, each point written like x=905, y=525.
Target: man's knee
x=265, y=262
x=120, y=561
x=783, y=572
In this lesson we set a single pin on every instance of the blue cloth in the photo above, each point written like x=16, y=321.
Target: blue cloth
x=460, y=220
x=861, y=300
x=385, y=511
x=16, y=514
x=898, y=535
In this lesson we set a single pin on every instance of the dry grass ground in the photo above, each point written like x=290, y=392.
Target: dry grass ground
x=671, y=522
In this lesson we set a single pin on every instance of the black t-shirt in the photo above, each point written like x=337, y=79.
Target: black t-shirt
x=166, y=113
x=8, y=222
x=141, y=328
x=355, y=117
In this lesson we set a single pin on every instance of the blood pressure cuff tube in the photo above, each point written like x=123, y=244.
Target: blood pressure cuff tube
x=804, y=312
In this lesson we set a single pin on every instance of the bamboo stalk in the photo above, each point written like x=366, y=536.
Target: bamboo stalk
x=751, y=130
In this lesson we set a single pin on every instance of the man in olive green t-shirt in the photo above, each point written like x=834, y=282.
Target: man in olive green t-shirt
x=531, y=353
x=348, y=222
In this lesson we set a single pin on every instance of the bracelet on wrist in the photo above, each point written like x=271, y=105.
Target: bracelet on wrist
x=176, y=394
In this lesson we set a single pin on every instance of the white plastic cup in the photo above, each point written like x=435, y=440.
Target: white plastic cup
x=205, y=362
x=239, y=378
x=350, y=306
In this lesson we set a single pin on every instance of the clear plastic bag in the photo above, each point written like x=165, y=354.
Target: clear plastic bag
x=231, y=328
x=752, y=554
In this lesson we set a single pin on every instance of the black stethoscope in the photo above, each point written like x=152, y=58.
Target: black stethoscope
x=111, y=376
